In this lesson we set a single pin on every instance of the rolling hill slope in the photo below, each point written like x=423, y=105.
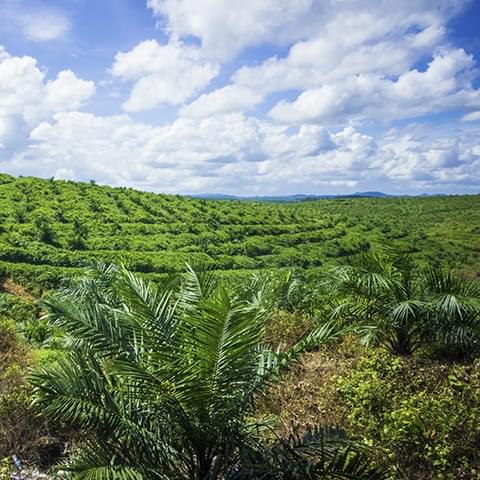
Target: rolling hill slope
x=48, y=228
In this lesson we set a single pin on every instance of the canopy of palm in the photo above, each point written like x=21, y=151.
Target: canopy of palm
x=393, y=302
x=162, y=381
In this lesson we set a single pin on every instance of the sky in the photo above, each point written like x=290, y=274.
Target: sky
x=246, y=97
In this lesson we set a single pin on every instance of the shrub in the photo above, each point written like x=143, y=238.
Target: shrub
x=21, y=430
x=423, y=413
x=287, y=328
x=45, y=230
x=15, y=422
x=16, y=308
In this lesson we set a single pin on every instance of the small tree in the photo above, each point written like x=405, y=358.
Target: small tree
x=79, y=238
x=44, y=230
x=393, y=302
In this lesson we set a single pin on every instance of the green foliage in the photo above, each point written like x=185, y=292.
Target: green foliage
x=162, y=382
x=45, y=356
x=49, y=229
x=9, y=342
x=5, y=468
x=44, y=229
x=17, y=308
x=285, y=329
x=19, y=427
x=78, y=241
x=39, y=332
x=393, y=302
x=423, y=414
x=61, y=225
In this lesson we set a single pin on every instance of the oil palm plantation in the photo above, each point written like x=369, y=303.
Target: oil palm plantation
x=162, y=380
x=391, y=301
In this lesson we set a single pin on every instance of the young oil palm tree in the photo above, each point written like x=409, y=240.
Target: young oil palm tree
x=393, y=302
x=454, y=308
x=162, y=381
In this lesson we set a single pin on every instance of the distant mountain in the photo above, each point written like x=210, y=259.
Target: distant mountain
x=369, y=195
x=301, y=197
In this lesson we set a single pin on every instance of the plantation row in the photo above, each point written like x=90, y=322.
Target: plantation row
x=65, y=224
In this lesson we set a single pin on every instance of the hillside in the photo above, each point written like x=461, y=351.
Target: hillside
x=392, y=399
x=49, y=227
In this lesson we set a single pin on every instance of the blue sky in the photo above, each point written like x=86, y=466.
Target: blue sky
x=243, y=97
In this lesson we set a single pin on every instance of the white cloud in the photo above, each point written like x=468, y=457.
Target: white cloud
x=337, y=76
x=3, y=53
x=243, y=155
x=20, y=84
x=374, y=46
x=164, y=74
x=429, y=158
x=349, y=60
x=230, y=151
x=46, y=26
x=67, y=92
x=120, y=151
x=229, y=99
x=471, y=117
x=443, y=86
x=38, y=22
x=225, y=28
x=27, y=98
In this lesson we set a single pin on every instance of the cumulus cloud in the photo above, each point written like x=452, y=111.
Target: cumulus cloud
x=471, y=117
x=336, y=76
x=180, y=156
x=225, y=28
x=433, y=157
x=444, y=85
x=249, y=155
x=229, y=99
x=373, y=46
x=163, y=74
x=67, y=92
x=272, y=96
x=120, y=151
x=368, y=71
x=26, y=97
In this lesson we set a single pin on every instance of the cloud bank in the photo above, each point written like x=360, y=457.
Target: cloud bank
x=262, y=98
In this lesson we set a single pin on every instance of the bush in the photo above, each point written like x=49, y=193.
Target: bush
x=40, y=332
x=287, y=328
x=16, y=308
x=13, y=396
x=423, y=414
x=21, y=430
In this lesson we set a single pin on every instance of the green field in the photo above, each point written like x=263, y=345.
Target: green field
x=48, y=227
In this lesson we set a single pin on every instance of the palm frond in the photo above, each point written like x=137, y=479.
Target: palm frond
x=319, y=453
x=195, y=286
x=223, y=351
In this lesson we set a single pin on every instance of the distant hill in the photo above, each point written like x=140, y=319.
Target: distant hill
x=301, y=197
